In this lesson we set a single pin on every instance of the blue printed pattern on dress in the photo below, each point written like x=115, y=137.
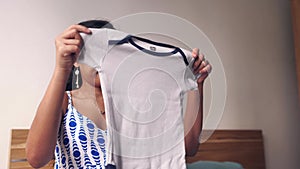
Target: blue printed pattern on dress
x=80, y=143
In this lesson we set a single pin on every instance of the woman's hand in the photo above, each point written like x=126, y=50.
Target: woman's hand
x=201, y=66
x=68, y=46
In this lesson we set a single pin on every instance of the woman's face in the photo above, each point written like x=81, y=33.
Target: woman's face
x=90, y=75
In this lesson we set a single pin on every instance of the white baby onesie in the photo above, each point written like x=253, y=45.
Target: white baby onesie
x=143, y=83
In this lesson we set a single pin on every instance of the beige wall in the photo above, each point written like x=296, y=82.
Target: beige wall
x=253, y=38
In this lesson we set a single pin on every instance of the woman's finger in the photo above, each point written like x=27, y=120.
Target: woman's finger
x=203, y=69
x=69, y=34
x=206, y=69
x=195, y=52
x=70, y=50
x=200, y=63
x=198, y=60
x=203, y=74
x=80, y=28
x=72, y=42
x=74, y=30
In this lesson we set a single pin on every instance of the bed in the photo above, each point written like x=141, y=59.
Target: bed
x=244, y=147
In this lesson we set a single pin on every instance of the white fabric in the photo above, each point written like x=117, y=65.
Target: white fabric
x=143, y=97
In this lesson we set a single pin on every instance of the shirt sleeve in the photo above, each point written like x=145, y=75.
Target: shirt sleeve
x=94, y=48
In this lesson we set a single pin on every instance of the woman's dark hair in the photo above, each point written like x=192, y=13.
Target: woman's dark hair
x=97, y=24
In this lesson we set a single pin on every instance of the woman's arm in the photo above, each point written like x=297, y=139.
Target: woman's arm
x=43, y=132
x=193, y=119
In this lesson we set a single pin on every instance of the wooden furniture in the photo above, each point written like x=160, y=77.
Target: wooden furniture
x=295, y=10
x=242, y=146
x=17, y=151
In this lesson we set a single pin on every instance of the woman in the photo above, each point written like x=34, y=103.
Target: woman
x=56, y=119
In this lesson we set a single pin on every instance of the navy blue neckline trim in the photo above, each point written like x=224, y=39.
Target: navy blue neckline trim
x=129, y=39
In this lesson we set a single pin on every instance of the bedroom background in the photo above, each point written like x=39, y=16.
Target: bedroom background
x=253, y=38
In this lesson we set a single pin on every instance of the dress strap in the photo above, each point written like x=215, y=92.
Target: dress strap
x=69, y=97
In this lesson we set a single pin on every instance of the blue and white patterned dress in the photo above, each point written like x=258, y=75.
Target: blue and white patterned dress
x=80, y=143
